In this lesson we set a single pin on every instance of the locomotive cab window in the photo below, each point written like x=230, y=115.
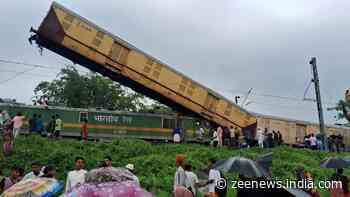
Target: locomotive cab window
x=83, y=116
x=168, y=123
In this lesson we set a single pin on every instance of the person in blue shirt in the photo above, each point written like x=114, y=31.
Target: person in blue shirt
x=39, y=125
x=32, y=123
x=177, y=135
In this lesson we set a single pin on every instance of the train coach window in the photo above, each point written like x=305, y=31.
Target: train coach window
x=168, y=123
x=83, y=116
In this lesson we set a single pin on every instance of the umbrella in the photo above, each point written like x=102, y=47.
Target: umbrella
x=37, y=187
x=115, y=189
x=334, y=162
x=109, y=174
x=265, y=160
x=347, y=159
x=242, y=165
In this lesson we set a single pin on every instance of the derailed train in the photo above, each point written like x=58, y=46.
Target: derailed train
x=81, y=41
x=118, y=124
x=74, y=37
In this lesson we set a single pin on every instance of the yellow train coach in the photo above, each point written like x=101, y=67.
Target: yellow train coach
x=83, y=42
x=294, y=131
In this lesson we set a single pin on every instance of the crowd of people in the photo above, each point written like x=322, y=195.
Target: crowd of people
x=12, y=126
x=219, y=136
x=53, y=129
x=74, y=178
x=266, y=138
x=187, y=183
x=334, y=143
x=235, y=137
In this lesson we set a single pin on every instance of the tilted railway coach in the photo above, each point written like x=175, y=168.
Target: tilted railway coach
x=78, y=39
x=108, y=124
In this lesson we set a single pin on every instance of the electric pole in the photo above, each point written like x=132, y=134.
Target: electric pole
x=318, y=98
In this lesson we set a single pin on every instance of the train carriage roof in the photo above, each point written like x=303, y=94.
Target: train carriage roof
x=94, y=110
x=301, y=122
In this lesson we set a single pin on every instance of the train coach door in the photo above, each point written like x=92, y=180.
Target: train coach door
x=300, y=133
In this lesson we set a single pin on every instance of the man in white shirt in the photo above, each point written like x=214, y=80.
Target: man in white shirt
x=191, y=179
x=77, y=176
x=313, y=142
x=214, y=176
x=180, y=175
x=200, y=133
x=192, y=182
x=260, y=137
x=215, y=138
x=35, y=173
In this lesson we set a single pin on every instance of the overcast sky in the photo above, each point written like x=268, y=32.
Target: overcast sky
x=227, y=45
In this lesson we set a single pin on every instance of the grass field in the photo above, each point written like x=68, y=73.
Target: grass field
x=155, y=163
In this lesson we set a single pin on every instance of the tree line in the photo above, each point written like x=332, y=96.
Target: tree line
x=91, y=90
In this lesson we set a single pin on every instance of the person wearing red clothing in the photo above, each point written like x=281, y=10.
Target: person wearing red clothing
x=84, y=130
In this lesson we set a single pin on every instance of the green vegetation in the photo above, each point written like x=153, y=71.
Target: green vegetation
x=154, y=163
x=72, y=89
x=343, y=108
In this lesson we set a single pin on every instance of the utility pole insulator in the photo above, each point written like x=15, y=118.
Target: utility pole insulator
x=236, y=99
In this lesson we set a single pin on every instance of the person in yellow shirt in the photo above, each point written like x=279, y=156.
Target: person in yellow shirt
x=58, y=126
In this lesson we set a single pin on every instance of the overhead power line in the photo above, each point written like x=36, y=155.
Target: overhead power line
x=270, y=104
x=278, y=104
x=13, y=62
x=270, y=95
x=34, y=66
x=280, y=97
x=289, y=98
x=17, y=75
x=38, y=65
x=17, y=72
x=28, y=64
x=307, y=89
